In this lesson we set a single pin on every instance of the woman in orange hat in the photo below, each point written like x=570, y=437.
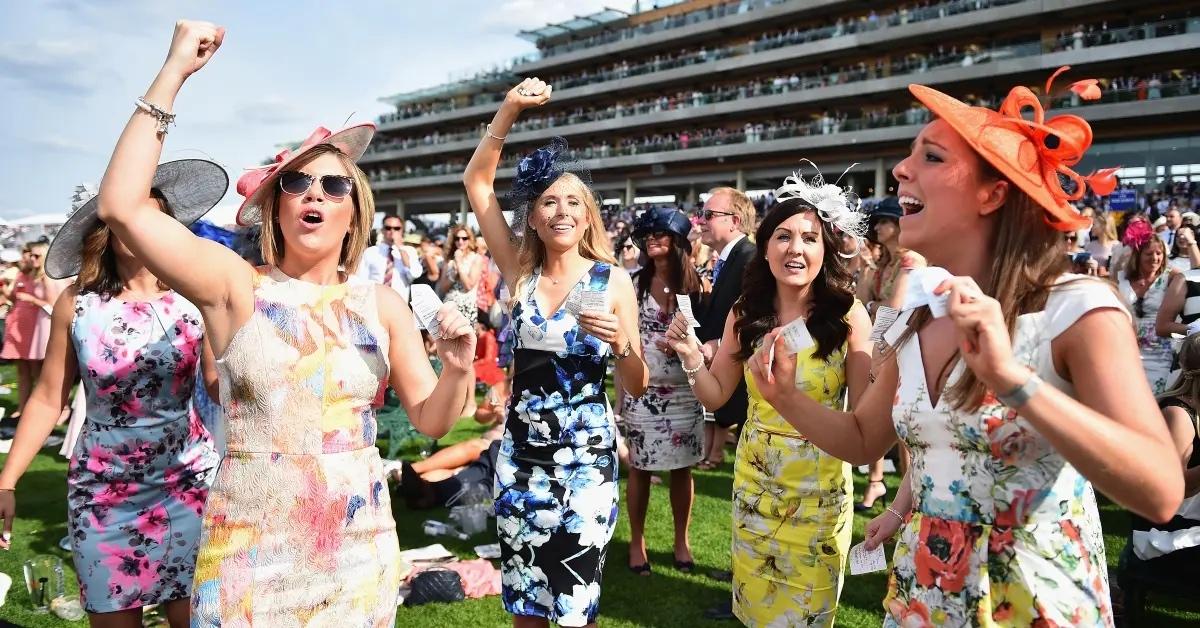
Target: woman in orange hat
x=1007, y=403
x=298, y=526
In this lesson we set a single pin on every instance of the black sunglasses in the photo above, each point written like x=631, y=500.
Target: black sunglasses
x=461, y=239
x=335, y=186
x=707, y=214
x=385, y=227
x=627, y=247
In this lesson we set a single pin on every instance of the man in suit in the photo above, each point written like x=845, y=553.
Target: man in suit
x=726, y=219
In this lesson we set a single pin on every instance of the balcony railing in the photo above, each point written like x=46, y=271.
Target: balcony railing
x=911, y=64
x=782, y=129
x=703, y=55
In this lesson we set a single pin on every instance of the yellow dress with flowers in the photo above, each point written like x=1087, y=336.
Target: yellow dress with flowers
x=298, y=527
x=792, y=509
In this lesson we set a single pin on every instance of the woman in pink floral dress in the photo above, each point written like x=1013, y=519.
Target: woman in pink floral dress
x=1009, y=406
x=141, y=467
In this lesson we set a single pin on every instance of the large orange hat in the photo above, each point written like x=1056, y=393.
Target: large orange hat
x=1032, y=153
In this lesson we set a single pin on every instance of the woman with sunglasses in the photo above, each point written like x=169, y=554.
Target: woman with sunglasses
x=463, y=271
x=1008, y=403
x=27, y=327
x=572, y=307
x=665, y=426
x=1143, y=284
x=792, y=513
x=298, y=525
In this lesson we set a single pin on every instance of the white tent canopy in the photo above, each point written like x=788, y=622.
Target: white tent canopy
x=39, y=220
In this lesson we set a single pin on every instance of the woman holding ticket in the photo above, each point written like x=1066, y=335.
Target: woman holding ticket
x=792, y=502
x=995, y=381
x=572, y=307
x=298, y=525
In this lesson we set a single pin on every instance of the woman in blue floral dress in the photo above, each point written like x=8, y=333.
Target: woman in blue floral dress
x=573, y=307
x=140, y=472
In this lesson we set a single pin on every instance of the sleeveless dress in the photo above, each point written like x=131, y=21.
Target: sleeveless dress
x=556, y=474
x=1004, y=531
x=464, y=300
x=27, y=326
x=141, y=466
x=666, y=424
x=1157, y=353
x=298, y=528
x=792, y=509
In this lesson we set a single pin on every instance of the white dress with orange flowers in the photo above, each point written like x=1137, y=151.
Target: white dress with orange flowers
x=1004, y=530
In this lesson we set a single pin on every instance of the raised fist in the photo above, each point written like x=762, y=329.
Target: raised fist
x=192, y=45
x=532, y=92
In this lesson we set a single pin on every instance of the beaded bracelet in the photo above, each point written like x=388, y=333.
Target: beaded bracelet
x=164, y=119
x=488, y=131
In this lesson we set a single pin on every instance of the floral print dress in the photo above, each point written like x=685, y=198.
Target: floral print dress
x=298, y=529
x=1157, y=353
x=792, y=510
x=666, y=424
x=140, y=471
x=556, y=473
x=1004, y=531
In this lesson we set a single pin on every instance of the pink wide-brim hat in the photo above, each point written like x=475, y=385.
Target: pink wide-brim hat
x=257, y=182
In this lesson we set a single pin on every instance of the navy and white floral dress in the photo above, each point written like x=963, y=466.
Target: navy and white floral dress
x=556, y=474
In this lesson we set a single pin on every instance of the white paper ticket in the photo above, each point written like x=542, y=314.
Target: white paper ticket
x=594, y=301
x=574, y=302
x=685, y=307
x=796, y=337
x=863, y=560
x=921, y=284
x=884, y=317
x=425, y=306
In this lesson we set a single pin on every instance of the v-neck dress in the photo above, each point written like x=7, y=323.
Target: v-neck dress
x=556, y=472
x=1004, y=531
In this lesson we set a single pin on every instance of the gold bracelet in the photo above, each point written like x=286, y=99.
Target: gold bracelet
x=898, y=515
x=488, y=132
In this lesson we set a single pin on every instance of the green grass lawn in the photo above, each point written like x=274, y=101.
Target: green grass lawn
x=667, y=598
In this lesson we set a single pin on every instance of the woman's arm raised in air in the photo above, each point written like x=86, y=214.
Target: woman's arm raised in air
x=202, y=271
x=480, y=175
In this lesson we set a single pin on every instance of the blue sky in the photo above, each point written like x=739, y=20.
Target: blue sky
x=71, y=69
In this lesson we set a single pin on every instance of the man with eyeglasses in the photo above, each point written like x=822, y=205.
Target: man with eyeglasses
x=391, y=262
x=725, y=220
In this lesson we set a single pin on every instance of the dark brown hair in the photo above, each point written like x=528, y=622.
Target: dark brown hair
x=682, y=277
x=832, y=294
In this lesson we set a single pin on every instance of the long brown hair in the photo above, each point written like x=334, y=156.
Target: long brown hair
x=1133, y=266
x=682, y=277
x=594, y=245
x=832, y=294
x=355, y=242
x=98, y=261
x=1028, y=257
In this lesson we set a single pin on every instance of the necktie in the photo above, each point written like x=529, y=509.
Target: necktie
x=717, y=269
x=391, y=267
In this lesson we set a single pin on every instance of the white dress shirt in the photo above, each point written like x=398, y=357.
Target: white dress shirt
x=374, y=266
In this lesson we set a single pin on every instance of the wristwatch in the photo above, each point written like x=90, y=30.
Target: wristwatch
x=626, y=351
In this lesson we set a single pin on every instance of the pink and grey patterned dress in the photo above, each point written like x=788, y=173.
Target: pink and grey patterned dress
x=140, y=471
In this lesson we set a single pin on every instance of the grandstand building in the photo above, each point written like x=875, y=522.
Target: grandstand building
x=674, y=100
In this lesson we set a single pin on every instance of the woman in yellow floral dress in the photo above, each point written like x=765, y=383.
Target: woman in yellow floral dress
x=791, y=501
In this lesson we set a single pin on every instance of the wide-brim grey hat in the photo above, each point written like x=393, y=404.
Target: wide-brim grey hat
x=191, y=186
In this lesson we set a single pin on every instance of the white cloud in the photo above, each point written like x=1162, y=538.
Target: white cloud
x=58, y=143
x=57, y=66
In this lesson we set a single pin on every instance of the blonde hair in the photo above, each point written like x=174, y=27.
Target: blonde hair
x=1107, y=227
x=1187, y=385
x=353, y=244
x=740, y=206
x=39, y=273
x=453, y=233
x=594, y=245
